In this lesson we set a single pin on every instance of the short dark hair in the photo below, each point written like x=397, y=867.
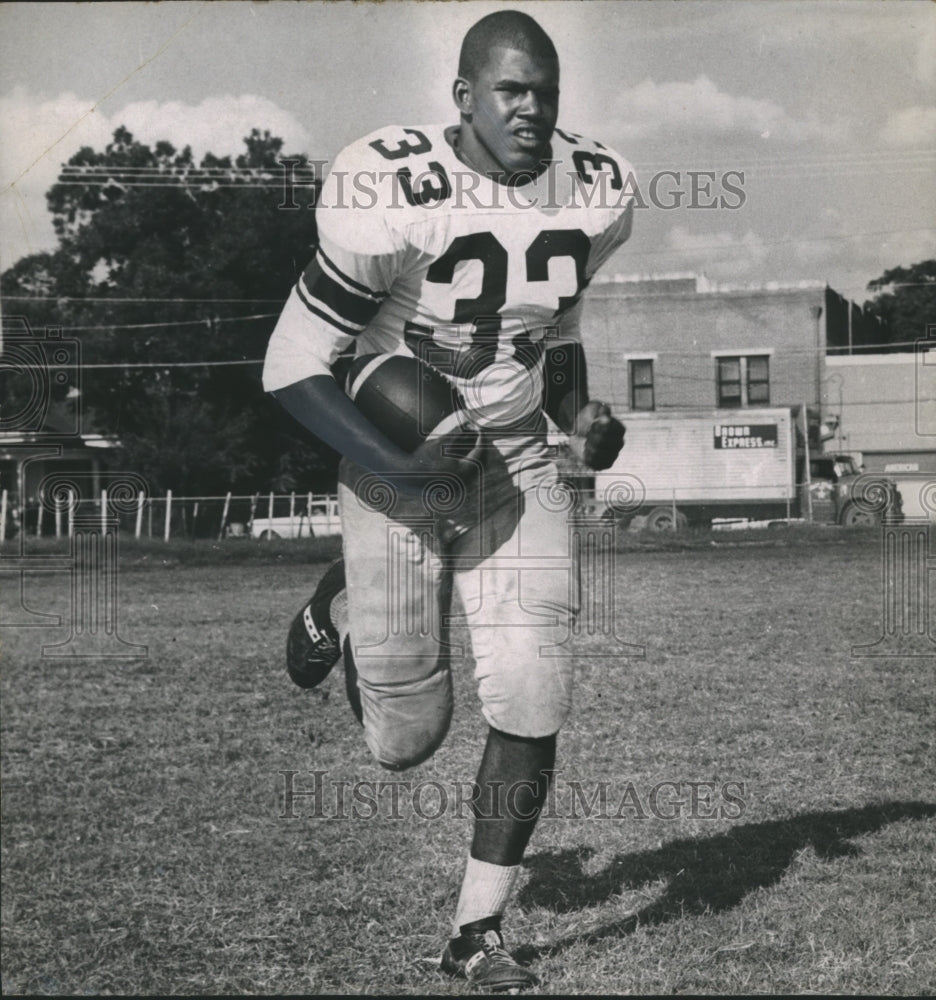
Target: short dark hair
x=510, y=29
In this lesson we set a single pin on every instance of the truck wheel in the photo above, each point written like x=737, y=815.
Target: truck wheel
x=661, y=519
x=266, y=535
x=853, y=516
x=621, y=518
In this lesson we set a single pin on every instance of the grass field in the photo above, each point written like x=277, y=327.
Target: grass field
x=144, y=849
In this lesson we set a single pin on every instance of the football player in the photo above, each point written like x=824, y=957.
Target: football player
x=469, y=246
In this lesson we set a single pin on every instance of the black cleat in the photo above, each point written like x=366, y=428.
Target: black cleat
x=313, y=646
x=481, y=958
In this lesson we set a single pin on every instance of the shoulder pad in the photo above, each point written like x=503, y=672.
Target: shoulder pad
x=592, y=160
x=389, y=147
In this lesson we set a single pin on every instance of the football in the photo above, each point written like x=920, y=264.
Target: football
x=405, y=398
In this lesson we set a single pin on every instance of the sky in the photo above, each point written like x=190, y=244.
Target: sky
x=826, y=108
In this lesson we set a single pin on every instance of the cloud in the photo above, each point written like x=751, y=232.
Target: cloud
x=850, y=262
x=722, y=255
x=217, y=125
x=914, y=126
x=700, y=108
x=40, y=134
x=37, y=131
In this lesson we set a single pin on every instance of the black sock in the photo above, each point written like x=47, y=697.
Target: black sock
x=462, y=947
x=351, y=688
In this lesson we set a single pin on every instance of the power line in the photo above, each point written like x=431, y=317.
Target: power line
x=212, y=186
x=108, y=298
x=831, y=403
x=168, y=323
x=745, y=351
x=812, y=159
x=293, y=160
x=183, y=172
x=184, y=176
x=152, y=299
x=592, y=353
x=185, y=168
x=172, y=364
x=639, y=251
x=92, y=173
x=136, y=364
x=208, y=184
x=170, y=168
x=870, y=402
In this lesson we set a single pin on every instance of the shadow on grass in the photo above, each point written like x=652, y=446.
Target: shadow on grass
x=705, y=874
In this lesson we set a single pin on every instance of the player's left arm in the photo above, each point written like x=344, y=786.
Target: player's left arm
x=595, y=436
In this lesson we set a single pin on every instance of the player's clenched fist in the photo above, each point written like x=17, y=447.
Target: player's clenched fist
x=597, y=437
x=450, y=457
x=452, y=484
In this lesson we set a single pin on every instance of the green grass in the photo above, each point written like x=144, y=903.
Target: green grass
x=143, y=850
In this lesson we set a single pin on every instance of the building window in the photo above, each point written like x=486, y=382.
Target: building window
x=758, y=380
x=641, y=385
x=744, y=381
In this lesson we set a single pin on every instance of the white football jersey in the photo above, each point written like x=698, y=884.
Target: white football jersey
x=419, y=253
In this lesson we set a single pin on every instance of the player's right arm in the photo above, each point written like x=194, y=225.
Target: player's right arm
x=322, y=407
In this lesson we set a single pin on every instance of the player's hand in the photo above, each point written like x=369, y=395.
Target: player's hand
x=597, y=437
x=452, y=475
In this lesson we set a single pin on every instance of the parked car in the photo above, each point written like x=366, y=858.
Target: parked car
x=310, y=518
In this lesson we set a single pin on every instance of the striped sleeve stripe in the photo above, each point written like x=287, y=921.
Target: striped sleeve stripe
x=324, y=291
x=326, y=314
x=355, y=286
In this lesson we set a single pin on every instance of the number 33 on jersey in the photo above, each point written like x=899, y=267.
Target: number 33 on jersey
x=419, y=252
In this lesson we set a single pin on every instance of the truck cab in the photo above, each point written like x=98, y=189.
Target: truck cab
x=838, y=497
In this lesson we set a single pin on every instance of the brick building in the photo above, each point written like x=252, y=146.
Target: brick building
x=677, y=343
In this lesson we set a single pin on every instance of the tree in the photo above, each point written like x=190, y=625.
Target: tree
x=172, y=273
x=905, y=302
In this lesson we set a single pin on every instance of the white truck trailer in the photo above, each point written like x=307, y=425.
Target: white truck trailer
x=691, y=467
